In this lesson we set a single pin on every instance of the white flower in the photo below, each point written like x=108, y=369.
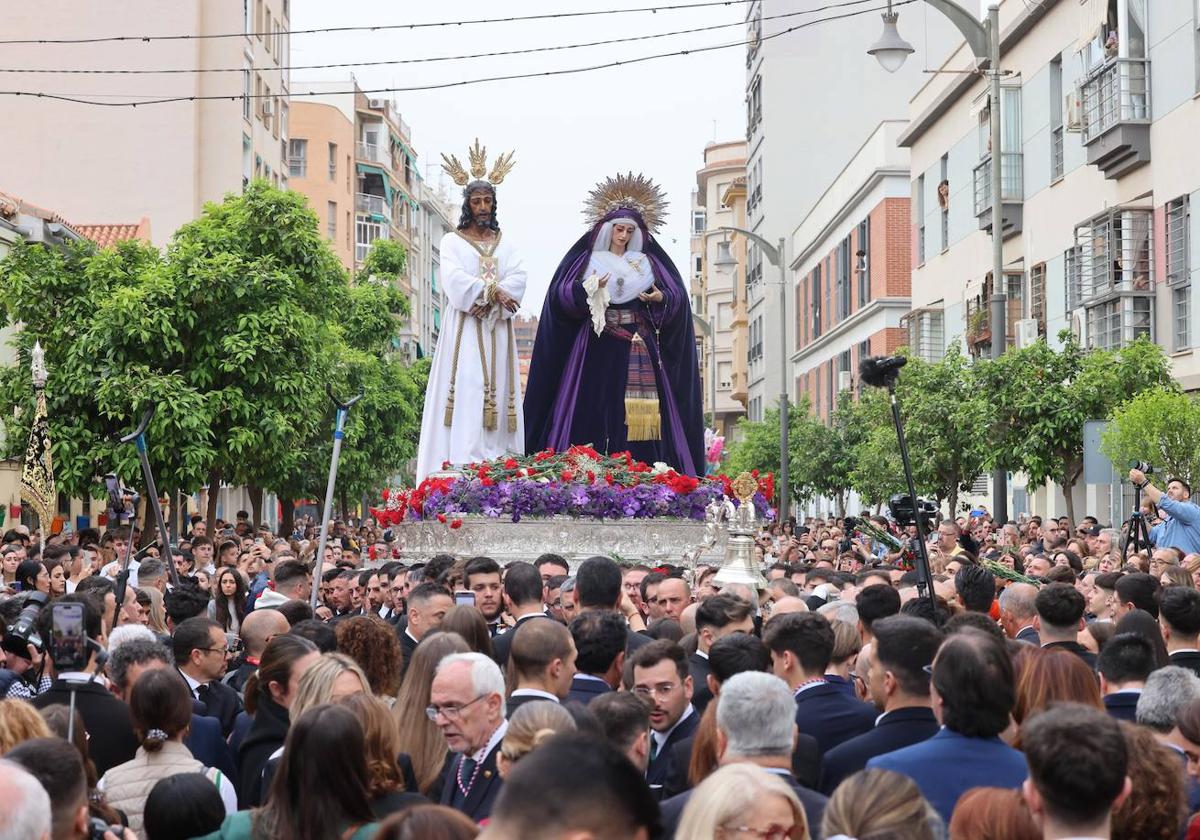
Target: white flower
x=660, y=468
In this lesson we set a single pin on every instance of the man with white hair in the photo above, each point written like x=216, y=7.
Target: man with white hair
x=756, y=724
x=466, y=701
x=1168, y=691
x=26, y=811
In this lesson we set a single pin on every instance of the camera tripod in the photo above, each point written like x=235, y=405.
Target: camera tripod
x=1137, y=534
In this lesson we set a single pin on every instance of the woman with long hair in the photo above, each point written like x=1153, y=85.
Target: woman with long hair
x=1157, y=805
x=1049, y=676
x=321, y=790
x=704, y=758
x=879, y=804
x=329, y=679
x=469, y=623
x=743, y=800
x=228, y=604
x=386, y=780
x=161, y=707
x=156, y=611
x=33, y=577
x=269, y=694
x=58, y=576
x=420, y=739
x=373, y=644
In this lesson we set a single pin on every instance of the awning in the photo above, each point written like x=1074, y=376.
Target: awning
x=368, y=169
x=1093, y=14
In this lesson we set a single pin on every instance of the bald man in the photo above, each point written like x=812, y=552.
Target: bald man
x=788, y=604
x=258, y=628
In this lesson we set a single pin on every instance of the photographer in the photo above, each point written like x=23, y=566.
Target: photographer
x=1182, y=529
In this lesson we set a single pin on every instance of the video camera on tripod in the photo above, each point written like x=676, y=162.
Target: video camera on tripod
x=905, y=513
x=1137, y=534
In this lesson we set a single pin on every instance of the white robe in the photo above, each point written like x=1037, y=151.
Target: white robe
x=465, y=441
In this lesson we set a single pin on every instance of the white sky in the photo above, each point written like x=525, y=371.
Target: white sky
x=569, y=132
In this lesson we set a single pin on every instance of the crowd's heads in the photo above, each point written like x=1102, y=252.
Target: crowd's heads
x=756, y=716
x=26, y=811
x=625, y=720
x=532, y=725
x=582, y=787
x=1126, y=660
x=598, y=584
x=976, y=587
x=904, y=646
x=1168, y=690
x=544, y=651
x=660, y=675
x=467, y=700
x=974, y=685
x=1077, y=766
x=800, y=642
x=743, y=796
x=183, y=805
x=735, y=654
x=600, y=639
x=880, y=803
x=56, y=764
x=1137, y=591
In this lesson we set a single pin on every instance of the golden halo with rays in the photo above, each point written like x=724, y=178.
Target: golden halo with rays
x=477, y=157
x=633, y=192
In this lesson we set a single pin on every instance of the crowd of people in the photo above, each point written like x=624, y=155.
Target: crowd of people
x=1047, y=687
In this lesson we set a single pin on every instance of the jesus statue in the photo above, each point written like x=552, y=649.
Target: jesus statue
x=473, y=399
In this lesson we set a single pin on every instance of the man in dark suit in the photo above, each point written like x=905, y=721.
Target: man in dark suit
x=1060, y=608
x=111, y=740
x=801, y=646
x=1179, y=615
x=1124, y=664
x=543, y=662
x=204, y=739
x=755, y=724
x=660, y=675
x=428, y=604
x=199, y=647
x=467, y=698
x=1017, y=613
x=973, y=694
x=523, y=600
x=600, y=654
x=904, y=645
x=598, y=586
x=716, y=617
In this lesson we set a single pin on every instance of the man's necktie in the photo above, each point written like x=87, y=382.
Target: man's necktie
x=203, y=691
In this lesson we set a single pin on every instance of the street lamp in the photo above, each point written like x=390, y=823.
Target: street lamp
x=725, y=262
x=774, y=254
x=984, y=40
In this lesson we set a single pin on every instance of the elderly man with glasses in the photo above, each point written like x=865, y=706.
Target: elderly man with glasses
x=467, y=704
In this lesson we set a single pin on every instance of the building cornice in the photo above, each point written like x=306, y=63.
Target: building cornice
x=876, y=307
x=876, y=178
x=1017, y=30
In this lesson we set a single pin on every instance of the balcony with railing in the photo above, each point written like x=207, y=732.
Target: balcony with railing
x=1114, y=255
x=1012, y=192
x=375, y=205
x=926, y=332
x=1115, y=100
x=373, y=153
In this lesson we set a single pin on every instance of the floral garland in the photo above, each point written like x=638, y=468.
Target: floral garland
x=578, y=482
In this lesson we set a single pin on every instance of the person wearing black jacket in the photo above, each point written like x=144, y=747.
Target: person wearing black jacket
x=1179, y=615
x=1060, y=608
x=200, y=647
x=523, y=600
x=269, y=694
x=109, y=725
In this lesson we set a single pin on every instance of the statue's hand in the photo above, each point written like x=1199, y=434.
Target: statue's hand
x=604, y=280
x=653, y=295
x=507, y=301
x=479, y=310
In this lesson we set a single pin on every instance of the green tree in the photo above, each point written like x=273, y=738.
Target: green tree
x=756, y=444
x=1043, y=396
x=1160, y=425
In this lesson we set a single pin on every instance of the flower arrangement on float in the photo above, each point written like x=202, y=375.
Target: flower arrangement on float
x=579, y=482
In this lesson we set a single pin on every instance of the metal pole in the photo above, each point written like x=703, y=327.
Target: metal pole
x=785, y=501
x=164, y=547
x=924, y=578
x=999, y=282
x=339, y=433
x=712, y=372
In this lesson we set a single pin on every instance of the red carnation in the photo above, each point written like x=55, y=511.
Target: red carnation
x=510, y=464
x=445, y=465
x=441, y=517
x=568, y=475
x=457, y=523
x=591, y=476
x=608, y=477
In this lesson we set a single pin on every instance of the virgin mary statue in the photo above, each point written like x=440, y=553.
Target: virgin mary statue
x=614, y=363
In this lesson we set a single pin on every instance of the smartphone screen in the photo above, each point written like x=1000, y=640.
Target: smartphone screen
x=467, y=598
x=68, y=644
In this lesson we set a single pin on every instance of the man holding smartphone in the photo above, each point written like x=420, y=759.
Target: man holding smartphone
x=109, y=726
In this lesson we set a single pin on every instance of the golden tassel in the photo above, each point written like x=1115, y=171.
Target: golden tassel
x=448, y=419
x=642, y=419
x=512, y=380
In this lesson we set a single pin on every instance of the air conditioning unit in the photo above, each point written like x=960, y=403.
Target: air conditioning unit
x=268, y=107
x=845, y=380
x=1027, y=331
x=377, y=104
x=1073, y=111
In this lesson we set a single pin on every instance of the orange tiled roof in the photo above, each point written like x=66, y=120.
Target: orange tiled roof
x=106, y=235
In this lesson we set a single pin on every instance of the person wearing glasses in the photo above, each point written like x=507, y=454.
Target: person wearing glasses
x=200, y=649
x=466, y=701
x=660, y=676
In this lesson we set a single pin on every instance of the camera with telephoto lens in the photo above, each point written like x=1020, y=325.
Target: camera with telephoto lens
x=846, y=544
x=905, y=513
x=122, y=501
x=22, y=633
x=1143, y=467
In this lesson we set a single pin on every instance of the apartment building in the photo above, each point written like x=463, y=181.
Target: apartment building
x=320, y=164
x=719, y=290
x=812, y=95
x=1099, y=118
x=435, y=220
x=851, y=270
x=159, y=161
